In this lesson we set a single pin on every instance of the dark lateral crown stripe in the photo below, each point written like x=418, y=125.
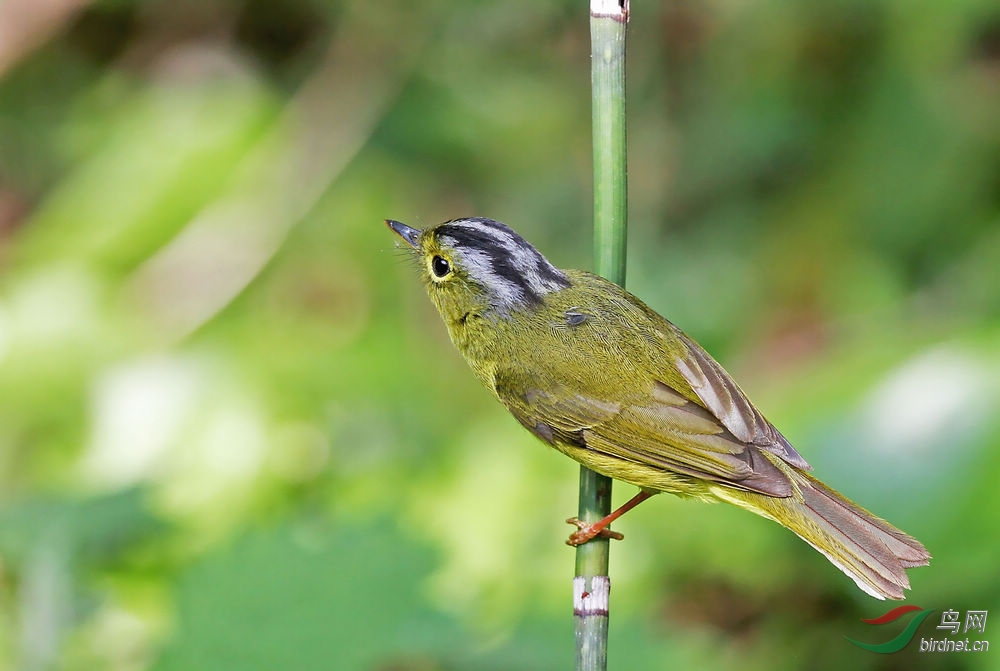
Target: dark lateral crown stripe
x=512, y=259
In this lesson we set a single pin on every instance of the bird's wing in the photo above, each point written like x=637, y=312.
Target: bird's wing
x=660, y=428
x=726, y=401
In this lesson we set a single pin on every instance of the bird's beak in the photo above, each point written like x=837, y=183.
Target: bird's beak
x=410, y=235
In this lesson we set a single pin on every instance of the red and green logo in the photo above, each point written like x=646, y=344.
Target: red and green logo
x=904, y=637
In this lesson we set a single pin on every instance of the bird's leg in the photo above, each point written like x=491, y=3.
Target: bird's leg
x=600, y=528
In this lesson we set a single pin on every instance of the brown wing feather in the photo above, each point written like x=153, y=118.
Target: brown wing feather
x=727, y=402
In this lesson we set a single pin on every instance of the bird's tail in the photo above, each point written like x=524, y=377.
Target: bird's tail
x=871, y=551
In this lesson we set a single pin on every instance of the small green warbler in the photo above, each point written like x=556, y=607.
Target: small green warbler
x=591, y=370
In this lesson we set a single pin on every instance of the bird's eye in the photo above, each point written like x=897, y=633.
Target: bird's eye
x=440, y=266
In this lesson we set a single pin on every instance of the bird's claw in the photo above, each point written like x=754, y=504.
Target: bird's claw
x=588, y=531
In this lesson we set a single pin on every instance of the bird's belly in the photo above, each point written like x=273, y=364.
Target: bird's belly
x=637, y=474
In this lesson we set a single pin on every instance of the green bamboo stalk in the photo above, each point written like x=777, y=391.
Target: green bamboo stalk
x=591, y=585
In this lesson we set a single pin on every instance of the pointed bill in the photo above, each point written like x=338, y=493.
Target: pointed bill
x=410, y=235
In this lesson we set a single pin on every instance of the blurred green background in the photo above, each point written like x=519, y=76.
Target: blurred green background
x=234, y=435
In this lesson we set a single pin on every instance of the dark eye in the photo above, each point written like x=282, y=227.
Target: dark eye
x=440, y=266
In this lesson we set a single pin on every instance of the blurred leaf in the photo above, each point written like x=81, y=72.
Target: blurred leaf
x=172, y=151
x=92, y=531
x=308, y=595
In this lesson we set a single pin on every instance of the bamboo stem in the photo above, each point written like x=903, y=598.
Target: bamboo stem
x=607, y=36
x=591, y=585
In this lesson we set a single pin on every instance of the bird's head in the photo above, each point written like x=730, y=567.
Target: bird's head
x=479, y=266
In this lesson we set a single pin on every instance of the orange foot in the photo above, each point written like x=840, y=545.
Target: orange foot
x=589, y=531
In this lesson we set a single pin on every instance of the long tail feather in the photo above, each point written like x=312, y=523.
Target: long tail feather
x=871, y=551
